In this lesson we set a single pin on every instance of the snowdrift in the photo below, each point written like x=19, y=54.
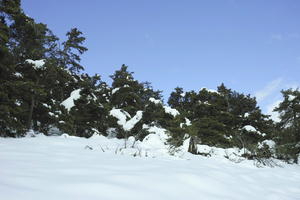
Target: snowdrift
x=68, y=168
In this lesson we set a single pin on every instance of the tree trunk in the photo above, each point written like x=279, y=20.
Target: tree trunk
x=193, y=145
x=29, y=120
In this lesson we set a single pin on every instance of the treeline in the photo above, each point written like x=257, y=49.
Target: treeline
x=43, y=88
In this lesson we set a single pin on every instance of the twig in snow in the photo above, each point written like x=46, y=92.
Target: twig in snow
x=102, y=148
x=88, y=147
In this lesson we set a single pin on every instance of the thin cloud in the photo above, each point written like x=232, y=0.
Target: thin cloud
x=274, y=115
x=294, y=35
x=148, y=39
x=269, y=89
x=285, y=36
x=276, y=37
x=147, y=36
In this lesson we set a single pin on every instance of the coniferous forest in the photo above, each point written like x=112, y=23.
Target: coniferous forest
x=44, y=89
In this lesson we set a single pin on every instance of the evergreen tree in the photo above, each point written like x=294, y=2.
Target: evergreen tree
x=146, y=92
x=289, y=110
x=288, y=137
x=72, y=49
x=89, y=114
x=9, y=105
x=176, y=99
x=125, y=91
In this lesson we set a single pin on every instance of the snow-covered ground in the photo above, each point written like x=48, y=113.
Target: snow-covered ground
x=71, y=168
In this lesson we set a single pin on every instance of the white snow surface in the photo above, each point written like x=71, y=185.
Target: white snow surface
x=71, y=168
x=36, y=63
x=69, y=102
x=155, y=141
x=171, y=111
x=122, y=116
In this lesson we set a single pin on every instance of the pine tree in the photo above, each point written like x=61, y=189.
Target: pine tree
x=146, y=92
x=9, y=123
x=72, y=49
x=89, y=114
x=289, y=110
x=176, y=98
x=288, y=128
x=10, y=108
x=125, y=91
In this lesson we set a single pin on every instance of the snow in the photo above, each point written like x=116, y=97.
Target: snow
x=54, y=130
x=114, y=90
x=51, y=114
x=111, y=133
x=270, y=143
x=133, y=121
x=71, y=168
x=18, y=103
x=205, y=102
x=209, y=90
x=154, y=143
x=246, y=114
x=171, y=111
x=118, y=88
x=122, y=116
x=187, y=123
x=275, y=116
x=69, y=102
x=46, y=105
x=250, y=128
x=155, y=101
x=37, y=64
x=30, y=133
x=18, y=74
x=291, y=97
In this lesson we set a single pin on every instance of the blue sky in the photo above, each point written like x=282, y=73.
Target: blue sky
x=251, y=46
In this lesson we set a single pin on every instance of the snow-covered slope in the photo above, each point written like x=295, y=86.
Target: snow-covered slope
x=71, y=168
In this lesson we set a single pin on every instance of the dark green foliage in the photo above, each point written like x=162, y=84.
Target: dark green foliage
x=288, y=152
x=289, y=109
x=288, y=129
x=131, y=96
x=125, y=91
x=72, y=49
x=31, y=98
x=218, y=118
x=210, y=132
x=89, y=114
x=176, y=99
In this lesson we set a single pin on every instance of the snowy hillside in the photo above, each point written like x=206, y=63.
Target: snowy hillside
x=70, y=168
